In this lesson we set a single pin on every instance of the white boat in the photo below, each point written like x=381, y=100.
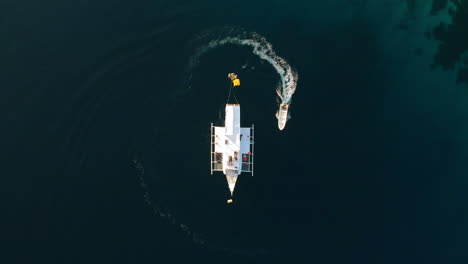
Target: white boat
x=282, y=115
x=232, y=147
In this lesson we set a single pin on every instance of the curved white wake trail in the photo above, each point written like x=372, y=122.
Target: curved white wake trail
x=263, y=49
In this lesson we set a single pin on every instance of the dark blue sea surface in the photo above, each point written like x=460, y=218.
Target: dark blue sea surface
x=105, y=135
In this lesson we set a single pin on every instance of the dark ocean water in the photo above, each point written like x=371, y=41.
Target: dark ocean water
x=106, y=134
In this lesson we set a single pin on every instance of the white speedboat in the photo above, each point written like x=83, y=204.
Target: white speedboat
x=282, y=116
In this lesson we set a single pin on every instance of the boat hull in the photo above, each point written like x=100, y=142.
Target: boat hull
x=282, y=116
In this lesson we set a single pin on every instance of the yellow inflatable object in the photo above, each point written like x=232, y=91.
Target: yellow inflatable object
x=236, y=82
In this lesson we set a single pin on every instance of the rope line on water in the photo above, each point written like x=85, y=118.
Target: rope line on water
x=229, y=96
x=231, y=86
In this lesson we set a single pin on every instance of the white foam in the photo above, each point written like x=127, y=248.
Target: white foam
x=264, y=50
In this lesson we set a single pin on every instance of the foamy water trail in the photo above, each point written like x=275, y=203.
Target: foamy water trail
x=196, y=238
x=264, y=50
